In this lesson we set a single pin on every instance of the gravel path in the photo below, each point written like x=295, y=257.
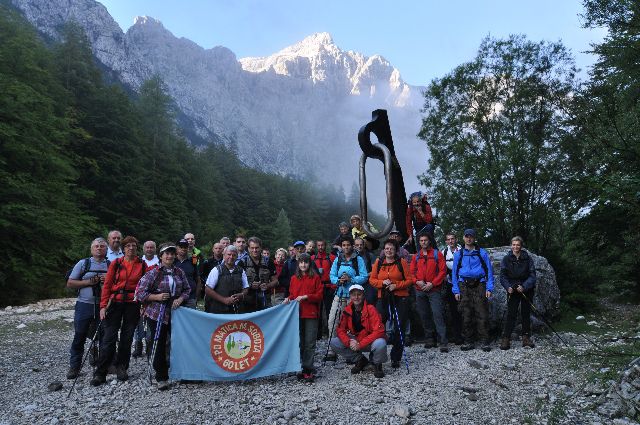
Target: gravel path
x=516, y=386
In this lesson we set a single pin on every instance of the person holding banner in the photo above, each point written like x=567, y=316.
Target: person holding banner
x=158, y=289
x=306, y=288
x=227, y=284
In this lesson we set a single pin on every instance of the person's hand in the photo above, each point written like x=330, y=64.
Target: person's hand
x=101, y=279
x=103, y=313
x=457, y=297
x=488, y=294
x=346, y=278
x=421, y=285
x=162, y=297
x=386, y=282
x=233, y=299
x=520, y=289
x=286, y=301
x=510, y=290
x=302, y=298
x=429, y=285
x=255, y=285
x=353, y=344
x=176, y=303
x=391, y=287
x=264, y=286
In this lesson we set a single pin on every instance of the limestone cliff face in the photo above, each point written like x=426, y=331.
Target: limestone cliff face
x=295, y=112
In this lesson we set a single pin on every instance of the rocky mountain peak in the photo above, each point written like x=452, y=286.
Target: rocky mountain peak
x=146, y=20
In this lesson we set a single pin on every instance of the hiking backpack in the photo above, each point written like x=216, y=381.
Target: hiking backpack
x=435, y=258
x=398, y=262
x=484, y=265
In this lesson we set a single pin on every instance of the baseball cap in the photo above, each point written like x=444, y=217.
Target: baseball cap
x=298, y=243
x=470, y=232
x=167, y=247
x=182, y=242
x=356, y=286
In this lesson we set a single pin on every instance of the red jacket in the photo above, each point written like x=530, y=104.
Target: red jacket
x=392, y=272
x=373, y=328
x=122, y=275
x=424, y=268
x=324, y=261
x=310, y=286
x=420, y=221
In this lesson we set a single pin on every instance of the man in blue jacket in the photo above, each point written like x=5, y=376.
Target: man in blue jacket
x=472, y=280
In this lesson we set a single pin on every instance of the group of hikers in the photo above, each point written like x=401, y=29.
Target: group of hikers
x=361, y=301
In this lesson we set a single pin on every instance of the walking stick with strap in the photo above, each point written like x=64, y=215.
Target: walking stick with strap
x=336, y=318
x=156, y=336
x=394, y=313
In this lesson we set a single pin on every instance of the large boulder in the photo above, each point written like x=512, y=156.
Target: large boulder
x=547, y=294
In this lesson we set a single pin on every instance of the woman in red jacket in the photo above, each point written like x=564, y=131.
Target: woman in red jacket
x=119, y=311
x=306, y=288
x=392, y=276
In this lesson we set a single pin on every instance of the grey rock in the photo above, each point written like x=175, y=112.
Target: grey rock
x=402, y=410
x=477, y=364
x=473, y=397
x=54, y=386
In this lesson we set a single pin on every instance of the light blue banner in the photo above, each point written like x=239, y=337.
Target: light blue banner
x=232, y=347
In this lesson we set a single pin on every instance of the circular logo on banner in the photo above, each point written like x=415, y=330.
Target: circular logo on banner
x=237, y=346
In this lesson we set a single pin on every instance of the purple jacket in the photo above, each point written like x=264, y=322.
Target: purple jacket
x=158, y=281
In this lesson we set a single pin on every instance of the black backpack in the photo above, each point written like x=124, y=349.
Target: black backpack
x=475, y=253
x=354, y=263
x=86, y=264
x=398, y=262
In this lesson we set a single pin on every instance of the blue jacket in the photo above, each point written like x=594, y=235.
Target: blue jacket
x=518, y=271
x=471, y=268
x=340, y=266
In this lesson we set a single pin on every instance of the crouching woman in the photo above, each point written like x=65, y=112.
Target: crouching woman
x=161, y=290
x=306, y=288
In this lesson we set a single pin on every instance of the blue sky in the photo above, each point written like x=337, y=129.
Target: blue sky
x=424, y=39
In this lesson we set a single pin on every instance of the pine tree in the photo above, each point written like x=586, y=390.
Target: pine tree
x=282, y=231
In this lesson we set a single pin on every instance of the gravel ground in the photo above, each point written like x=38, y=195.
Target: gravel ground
x=541, y=385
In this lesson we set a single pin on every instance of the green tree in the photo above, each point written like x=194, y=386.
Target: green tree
x=495, y=128
x=282, y=231
x=39, y=218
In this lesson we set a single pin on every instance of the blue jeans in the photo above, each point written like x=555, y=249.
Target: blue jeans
x=84, y=315
x=431, y=310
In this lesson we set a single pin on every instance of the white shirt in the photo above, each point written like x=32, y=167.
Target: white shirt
x=112, y=255
x=150, y=263
x=448, y=255
x=212, y=279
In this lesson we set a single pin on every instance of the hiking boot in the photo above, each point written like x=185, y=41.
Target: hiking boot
x=458, y=341
x=527, y=342
x=121, y=373
x=429, y=343
x=467, y=347
x=163, y=385
x=73, y=372
x=137, y=352
x=395, y=364
x=361, y=363
x=98, y=380
x=378, y=372
x=331, y=357
x=444, y=348
x=309, y=377
x=505, y=343
x=112, y=370
x=93, y=355
x=486, y=347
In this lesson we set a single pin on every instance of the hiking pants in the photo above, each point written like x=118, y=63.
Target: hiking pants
x=516, y=300
x=122, y=317
x=335, y=314
x=377, y=347
x=475, y=311
x=85, y=314
x=325, y=309
x=431, y=311
x=453, y=315
x=308, y=333
x=387, y=311
x=160, y=364
x=370, y=293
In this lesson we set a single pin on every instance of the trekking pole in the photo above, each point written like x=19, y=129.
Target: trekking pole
x=156, y=337
x=546, y=322
x=333, y=327
x=395, y=313
x=84, y=359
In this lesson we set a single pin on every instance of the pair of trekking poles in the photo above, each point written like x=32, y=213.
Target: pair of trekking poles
x=393, y=313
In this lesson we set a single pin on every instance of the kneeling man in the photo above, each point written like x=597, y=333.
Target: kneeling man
x=361, y=330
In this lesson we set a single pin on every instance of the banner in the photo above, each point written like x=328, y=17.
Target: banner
x=231, y=347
